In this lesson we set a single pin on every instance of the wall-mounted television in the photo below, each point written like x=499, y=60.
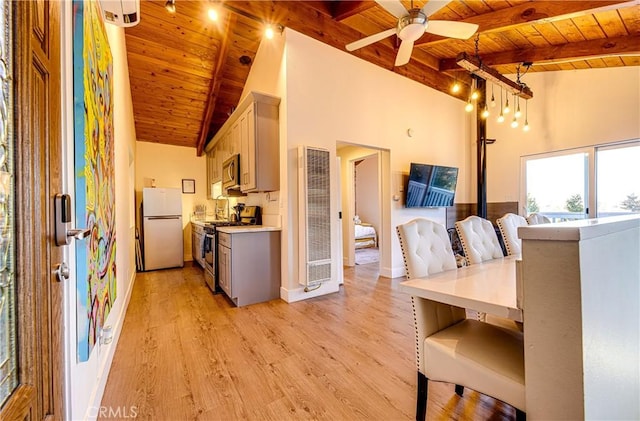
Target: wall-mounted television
x=431, y=186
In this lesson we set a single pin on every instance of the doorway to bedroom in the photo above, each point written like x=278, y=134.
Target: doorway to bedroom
x=362, y=221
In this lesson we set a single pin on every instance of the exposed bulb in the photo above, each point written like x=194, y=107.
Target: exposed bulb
x=469, y=107
x=268, y=32
x=485, y=112
x=506, y=107
x=212, y=13
x=474, y=95
x=514, y=123
x=455, y=88
x=526, y=126
x=493, y=101
x=500, y=118
x=518, y=113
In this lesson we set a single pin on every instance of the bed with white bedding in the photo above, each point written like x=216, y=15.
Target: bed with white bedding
x=365, y=235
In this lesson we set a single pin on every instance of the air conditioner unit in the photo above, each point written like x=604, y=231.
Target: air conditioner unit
x=124, y=13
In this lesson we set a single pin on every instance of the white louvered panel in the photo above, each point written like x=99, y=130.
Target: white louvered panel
x=315, y=195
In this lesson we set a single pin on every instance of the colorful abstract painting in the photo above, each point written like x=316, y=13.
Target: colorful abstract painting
x=94, y=173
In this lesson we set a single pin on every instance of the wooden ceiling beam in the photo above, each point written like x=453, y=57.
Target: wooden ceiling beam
x=596, y=48
x=214, y=86
x=345, y=9
x=529, y=13
x=312, y=23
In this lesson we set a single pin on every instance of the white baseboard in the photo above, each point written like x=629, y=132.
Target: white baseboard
x=105, y=364
x=298, y=294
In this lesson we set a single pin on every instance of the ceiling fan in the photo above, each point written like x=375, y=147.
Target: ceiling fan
x=412, y=24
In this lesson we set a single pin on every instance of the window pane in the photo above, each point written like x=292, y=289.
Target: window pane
x=8, y=326
x=618, y=180
x=557, y=186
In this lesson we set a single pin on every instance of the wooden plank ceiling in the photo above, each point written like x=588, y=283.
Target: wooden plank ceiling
x=187, y=72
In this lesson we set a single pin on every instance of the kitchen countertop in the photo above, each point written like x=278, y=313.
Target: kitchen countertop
x=203, y=223
x=247, y=228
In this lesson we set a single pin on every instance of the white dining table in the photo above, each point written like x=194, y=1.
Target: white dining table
x=488, y=287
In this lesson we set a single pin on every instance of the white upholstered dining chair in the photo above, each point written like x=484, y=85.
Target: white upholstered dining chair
x=508, y=225
x=537, y=218
x=480, y=243
x=479, y=240
x=449, y=347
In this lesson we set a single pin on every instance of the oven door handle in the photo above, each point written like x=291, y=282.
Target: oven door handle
x=207, y=244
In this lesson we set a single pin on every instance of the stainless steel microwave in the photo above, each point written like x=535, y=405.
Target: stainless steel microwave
x=231, y=173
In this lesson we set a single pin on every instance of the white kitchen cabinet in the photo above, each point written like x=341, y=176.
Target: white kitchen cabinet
x=249, y=265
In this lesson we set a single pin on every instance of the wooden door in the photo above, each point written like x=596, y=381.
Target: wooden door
x=34, y=134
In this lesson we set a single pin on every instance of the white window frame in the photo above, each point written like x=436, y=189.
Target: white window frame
x=590, y=200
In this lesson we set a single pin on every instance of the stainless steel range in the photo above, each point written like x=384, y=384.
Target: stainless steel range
x=249, y=215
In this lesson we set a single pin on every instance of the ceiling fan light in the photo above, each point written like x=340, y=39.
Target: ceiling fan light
x=412, y=26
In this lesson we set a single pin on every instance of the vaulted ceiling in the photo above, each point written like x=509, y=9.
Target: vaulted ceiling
x=187, y=72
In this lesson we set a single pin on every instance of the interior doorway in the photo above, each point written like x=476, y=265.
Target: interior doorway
x=363, y=216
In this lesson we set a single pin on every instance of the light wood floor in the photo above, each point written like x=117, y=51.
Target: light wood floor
x=186, y=354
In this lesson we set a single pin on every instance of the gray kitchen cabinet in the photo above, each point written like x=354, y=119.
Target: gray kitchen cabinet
x=249, y=265
x=253, y=131
x=197, y=235
x=259, y=145
x=213, y=173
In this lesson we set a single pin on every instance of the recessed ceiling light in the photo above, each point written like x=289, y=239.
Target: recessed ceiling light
x=170, y=5
x=212, y=13
x=268, y=32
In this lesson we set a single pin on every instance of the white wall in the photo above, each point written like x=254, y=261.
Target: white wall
x=168, y=165
x=569, y=109
x=85, y=382
x=367, y=197
x=335, y=97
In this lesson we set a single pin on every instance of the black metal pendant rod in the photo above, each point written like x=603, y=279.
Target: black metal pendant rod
x=481, y=130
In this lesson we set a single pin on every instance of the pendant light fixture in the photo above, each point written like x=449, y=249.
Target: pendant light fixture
x=469, y=107
x=477, y=69
x=493, y=98
x=526, y=116
x=501, y=116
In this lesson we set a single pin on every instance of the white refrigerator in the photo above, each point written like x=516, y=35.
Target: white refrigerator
x=162, y=228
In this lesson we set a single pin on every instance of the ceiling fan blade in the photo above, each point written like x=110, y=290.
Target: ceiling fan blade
x=404, y=53
x=394, y=7
x=370, y=39
x=433, y=6
x=451, y=29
